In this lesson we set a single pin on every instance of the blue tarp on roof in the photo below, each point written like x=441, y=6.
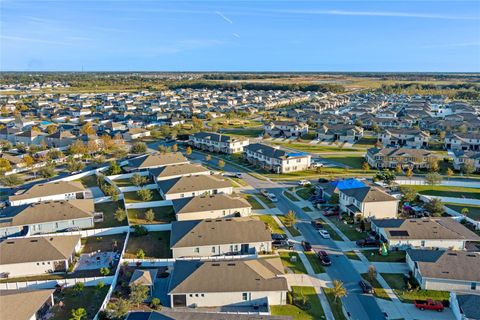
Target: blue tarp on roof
x=297, y=154
x=347, y=184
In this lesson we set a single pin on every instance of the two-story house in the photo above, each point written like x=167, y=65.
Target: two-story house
x=276, y=160
x=215, y=142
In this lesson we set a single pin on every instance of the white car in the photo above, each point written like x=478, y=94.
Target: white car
x=324, y=234
x=304, y=183
x=272, y=197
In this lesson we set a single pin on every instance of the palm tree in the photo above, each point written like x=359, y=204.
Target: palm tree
x=339, y=290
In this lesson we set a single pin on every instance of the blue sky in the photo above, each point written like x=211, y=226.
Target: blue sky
x=240, y=35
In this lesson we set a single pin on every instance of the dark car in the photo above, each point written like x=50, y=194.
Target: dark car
x=306, y=246
x=366, y=287
x=323, y=180
x=282, y=244
x=330, y=212
x=324, y=258
x=317, y=224
x=278, y=236
x=368, y=242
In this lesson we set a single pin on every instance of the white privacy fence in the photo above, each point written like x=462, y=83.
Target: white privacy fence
x=135, y=188
x=148, y=204
x=171, y=261
x=50, y=284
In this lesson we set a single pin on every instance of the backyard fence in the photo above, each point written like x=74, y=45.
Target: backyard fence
x=50, y=284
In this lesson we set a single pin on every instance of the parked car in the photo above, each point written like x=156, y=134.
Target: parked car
x=368, y=242
x=317, y=224
x=272, y=197
x=366, y=287
x=264, y=192
x=429, y=304
x=282, y=244
x=306, y=246
x=323, y=180
x=304, y=183
x=330, y=212
x=319, y=201
x=324, y=234
x=72, y=229
x=278, y=236
x=324, y=258
x=238, y=175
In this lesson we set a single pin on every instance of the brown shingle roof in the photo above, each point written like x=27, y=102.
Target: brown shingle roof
x=192, y=183
x=22, y=304
x=49, y=189
x=209, y=203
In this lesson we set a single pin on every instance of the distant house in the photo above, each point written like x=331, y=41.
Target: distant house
x=211, y=207
x=215, y=237
x=406, y=158
x=29, y=137
x=156, y=160
x=465, y=305
x=60, y=139
x=276, y=160
x=286, y=129
x=37, y=255
x=410, y=138
x=53, y=191
x=178, y=170
x=136, y=133
x=335, y=186
x=340, y=132
x=191, y=186
x=445, y=270
x=442, y=233
x=464, y=157
x=462, y=141
x=25, y=304
x=253, y=282
x=369, y=202
x=215, y=142
x=46, y=217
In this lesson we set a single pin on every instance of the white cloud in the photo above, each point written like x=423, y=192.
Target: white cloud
x=224, y=17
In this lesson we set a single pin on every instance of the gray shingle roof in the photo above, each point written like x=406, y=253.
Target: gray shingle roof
x=192, y=183
x=49, y=189
x=210, y=202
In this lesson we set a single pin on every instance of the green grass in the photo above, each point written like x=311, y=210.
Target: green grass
x=290, y=196
x=336, y=306
x=334, y=235
x=379, y=292
x=108, y=209
x=266, y=201
x=393, y=256
x=351, y=255
x=89, y=181
x=253, y=202
x=304, y=193
x=240, y=182
x=294, y=232
x=315, y=148
x=473, y=211
x=103, y=243
x=307, y=209
x=131, y=197
x=397, y=283
x=448, y=191
x=163, y=215
x=90, y=299
x=272, y=224
x=295, y=267
x=247, y=132
x=128, y=183
x=349, y=230
x=314, y=312
x=155, y=245
x=315, y=262
x=353, y=161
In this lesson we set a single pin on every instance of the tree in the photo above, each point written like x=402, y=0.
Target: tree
x=138, y=147
x=155, y=303
x=339, y=290
x=149, y=215
x=175, y=147
x=54, y=154
x=118, y=308
x=221, y=163
x=78, y=147
x=398, y=169
x=92, y=147
x=120, y=215
x=290, y=218
x=375, y=128
x=107, y=142
x=468, y=167
x=51, y=129
x=5, y=165
x=11, y=180
x=138, y=180
x=409, y=172
x=74, y=165
x=140, y=254
x=372, y=273
x=409, y=193
x=386, y=176
x=334, y=199
x=78, y=314
x=465, y=211
x=433, y=178
x=450, y=173
x=104, y=271
x=164, y=149
x=110, y=191
x=47, y=171
x=145, y=194
x=433, y=164
x=365, y=166
x=138, y=293
x=114, y=168
x=78, y=287
x=28, y=160
x=188, y=151
x=87, y=129
x=435, y=207
x=100, y=285
x=208, y=157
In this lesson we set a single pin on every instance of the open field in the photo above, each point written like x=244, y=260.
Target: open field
x=448, y=191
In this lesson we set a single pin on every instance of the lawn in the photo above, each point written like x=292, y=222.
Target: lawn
x=294, y=232
x=448, y=191
x=348, y=230
x=133, y=196
x=90, y=299
x=164, y=214
x=290, y=196
x=333, y=234
x=155, y=244
x=315, y=148
x=307, y=209
x=296, y=313
x=393, y=256
x=247, y=132
x=108, y=209
x=295, y=267
x=240, y=182
x=314, y=262
x=89, y=181
x=265, y=200
x=473, y=211
x=103, y=243
x=351, y=255
x=353, y=161
x=336, y=306
x=304, y=193
x=397, y=283
x=272, y=224
x=253, y=202
x=379, y=291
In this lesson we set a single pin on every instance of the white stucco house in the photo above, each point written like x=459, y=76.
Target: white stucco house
x=53, y=191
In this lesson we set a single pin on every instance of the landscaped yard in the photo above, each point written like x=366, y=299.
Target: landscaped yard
x=155, y=244
x=295, y=267
x=304, y=193
x=315, y=310
x=266, y=200
x=352, y=160
x=271, y=223
x=336, y=306
x=103, y=243
x=90, y=299
x=348, y=229
x=162, y=215
x=128, y=182
x=134, y=197
x=397, y=283
x=315, y=148
x=247, y=132
x=108, y=209
x=89, y=181
x=473, y=211
x=379, y=292
x=294, y=232
x=448, y=191
x=393, y=256
x=314, y=262
x=253, y=202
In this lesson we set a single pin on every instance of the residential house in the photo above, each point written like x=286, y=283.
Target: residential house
x=167, y=314
x=369, y=202
x=216, y=237
x=276, y=160
x=60, y=139
x=215, y=142
x=191, y=186
x=211, y=206
x=464, y=157
x=410, y=138
x=406, y=158
x=53, y=191
x=445, y=270
x=465, y=305
x=254, y=282
x=335, y=186
x=340, y=132
x=155, y=160
x=286, y=129
x=29, y=137
x=442, y=233
x=144, y=277
x=178, y=170
x=25, y=304
x=32, y=256
x=136, y=133
x=462, y=141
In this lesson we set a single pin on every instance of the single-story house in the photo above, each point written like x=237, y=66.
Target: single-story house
x=191, y=186
x=465, y=305
x=25, y=304
x=178, y=170
x=53, y=191
x=155, y=160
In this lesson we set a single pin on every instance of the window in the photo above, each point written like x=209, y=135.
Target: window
x=196, y=294
x=422, y=244
x=473, y=286
x=196, y=250
x=245, y=296
x=182, y=195
x=213, y=249
x=190, y=295
x=202, y=295
x=236, y=247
